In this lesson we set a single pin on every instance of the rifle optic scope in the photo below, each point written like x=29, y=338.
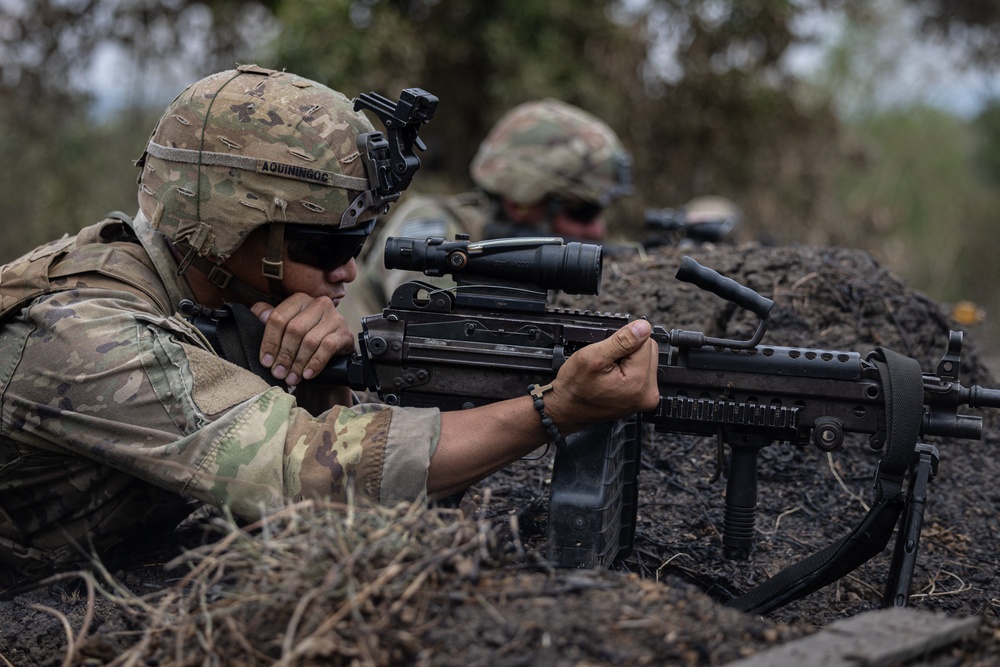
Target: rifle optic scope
x=545, y=262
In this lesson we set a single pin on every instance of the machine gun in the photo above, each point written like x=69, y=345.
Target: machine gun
x=709, y=219
x=705, y=219
x=493, y=334
x=750, y=395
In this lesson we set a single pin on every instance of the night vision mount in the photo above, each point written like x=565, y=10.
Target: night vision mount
x=389, y=158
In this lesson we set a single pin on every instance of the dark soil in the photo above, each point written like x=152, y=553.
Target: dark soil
x=661, y=605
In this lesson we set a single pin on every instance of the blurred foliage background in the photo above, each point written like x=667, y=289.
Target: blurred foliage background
x=819, y=118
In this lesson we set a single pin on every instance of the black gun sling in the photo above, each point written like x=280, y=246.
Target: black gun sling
x=902, y=385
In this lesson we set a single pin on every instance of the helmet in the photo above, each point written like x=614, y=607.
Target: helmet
x=247, y=147
x=551, y=149
x=710, y=219
x=711, y=207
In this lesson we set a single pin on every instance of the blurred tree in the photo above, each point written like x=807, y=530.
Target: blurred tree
x=700, y=90
x=478, y=58
x=66, y=166
x=973, y=24
x=916, y=188
x=919, y=189
x=979, y=265
x=988, y=127
x=728, y=113
x=48, y=46
x=720, y=117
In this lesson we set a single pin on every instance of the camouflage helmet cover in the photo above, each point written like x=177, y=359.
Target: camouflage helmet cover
x=711, y=207
x=548, y=148
x=243, y=148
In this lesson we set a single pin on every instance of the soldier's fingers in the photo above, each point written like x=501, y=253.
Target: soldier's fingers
x=325, y=337
x=639, y=366
x=261, y=309
x=274, y=352
x=302, y=334
x=337, y=342
x=651, y=390
x=639, y=350
x=614, y=377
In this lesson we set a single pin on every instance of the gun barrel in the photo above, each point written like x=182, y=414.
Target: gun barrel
x=950, y=425
x=983, y=397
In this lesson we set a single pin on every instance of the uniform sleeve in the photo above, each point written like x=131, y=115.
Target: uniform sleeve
x=115, y=383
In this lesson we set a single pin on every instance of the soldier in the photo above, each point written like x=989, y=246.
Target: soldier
x=118, y=416
x=546, y=168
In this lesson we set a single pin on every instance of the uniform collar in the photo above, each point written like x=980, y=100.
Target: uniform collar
x=155, y=246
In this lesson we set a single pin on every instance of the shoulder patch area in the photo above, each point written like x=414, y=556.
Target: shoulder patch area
x=217, y=384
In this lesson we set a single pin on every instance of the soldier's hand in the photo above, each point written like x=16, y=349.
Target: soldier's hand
x=301, y=334
x=607, y=380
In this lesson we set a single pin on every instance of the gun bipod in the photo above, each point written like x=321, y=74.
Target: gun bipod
x=904, y=554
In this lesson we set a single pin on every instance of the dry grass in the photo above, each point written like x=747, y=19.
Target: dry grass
x=313, y=583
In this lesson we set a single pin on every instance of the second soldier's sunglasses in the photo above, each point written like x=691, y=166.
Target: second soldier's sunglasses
x=325, y=248
x=576, y=210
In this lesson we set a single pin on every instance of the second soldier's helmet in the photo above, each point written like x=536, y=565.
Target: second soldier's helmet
x=247, y=147
x=550, y=149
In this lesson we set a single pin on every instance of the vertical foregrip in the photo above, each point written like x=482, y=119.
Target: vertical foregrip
x=741, y=503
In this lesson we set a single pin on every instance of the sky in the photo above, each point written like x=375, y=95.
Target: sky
x=891, y=64
x=894, y=64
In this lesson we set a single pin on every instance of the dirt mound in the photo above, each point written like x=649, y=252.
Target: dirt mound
x=474, y=590
x=827, y=298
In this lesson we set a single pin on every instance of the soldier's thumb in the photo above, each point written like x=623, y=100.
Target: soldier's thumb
x=629, y=339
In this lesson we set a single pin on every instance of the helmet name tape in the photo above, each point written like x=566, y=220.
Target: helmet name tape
x=270, y=167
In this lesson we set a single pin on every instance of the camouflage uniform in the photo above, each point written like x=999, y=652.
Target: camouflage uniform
x=536, y=151
x=116, y=414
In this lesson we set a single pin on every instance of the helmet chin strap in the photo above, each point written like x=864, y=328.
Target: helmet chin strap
x=224, y=279
x=272, y=268
x=271, y=265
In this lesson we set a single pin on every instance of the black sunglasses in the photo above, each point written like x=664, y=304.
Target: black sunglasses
x=323, y=247
x=577, y=211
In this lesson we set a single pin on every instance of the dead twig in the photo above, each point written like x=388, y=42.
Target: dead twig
x=843, y=485
x=667, y=562
x=71, y=642
x=67, y=628
x=777, y=521
x=931, y=590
